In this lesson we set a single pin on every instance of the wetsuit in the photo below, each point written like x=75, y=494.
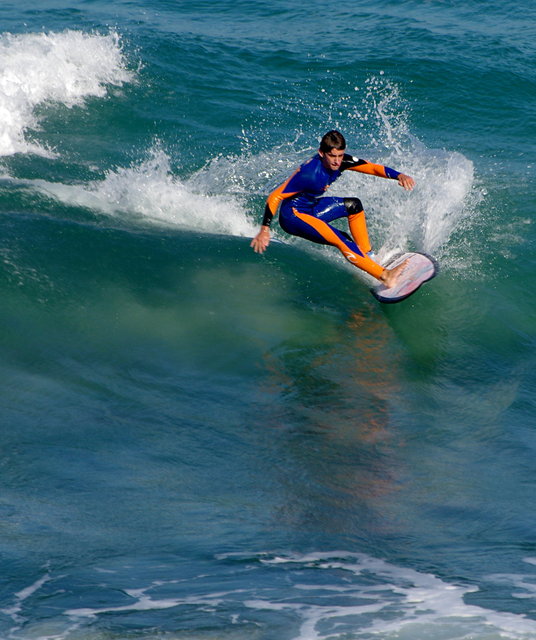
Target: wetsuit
x=305, y=213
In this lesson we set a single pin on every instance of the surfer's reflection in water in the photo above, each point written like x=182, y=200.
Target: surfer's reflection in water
x=334, y=418
x=305, y=213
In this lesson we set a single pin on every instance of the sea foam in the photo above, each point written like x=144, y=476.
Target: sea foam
x=147, y=192
x=325, y=596
x=41, y=68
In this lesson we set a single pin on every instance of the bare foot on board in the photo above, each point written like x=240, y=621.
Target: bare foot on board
x=390, y=276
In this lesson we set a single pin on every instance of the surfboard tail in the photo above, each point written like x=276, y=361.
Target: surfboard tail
x=420, y=268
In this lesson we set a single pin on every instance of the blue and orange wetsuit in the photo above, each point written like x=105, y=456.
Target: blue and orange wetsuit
x=305, y=213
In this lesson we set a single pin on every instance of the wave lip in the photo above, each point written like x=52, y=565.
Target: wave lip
x=64, y=68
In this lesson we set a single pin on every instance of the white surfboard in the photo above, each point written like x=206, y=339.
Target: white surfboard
x=419, y=269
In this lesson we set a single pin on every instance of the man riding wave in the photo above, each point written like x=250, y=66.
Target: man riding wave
x=304, y=211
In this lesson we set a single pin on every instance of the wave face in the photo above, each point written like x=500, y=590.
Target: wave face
x=200, y=442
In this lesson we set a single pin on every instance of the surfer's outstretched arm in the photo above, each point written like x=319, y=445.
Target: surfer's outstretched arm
x=380, y=170
x=261, y=241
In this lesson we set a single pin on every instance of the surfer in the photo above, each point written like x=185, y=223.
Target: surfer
x=304, y=212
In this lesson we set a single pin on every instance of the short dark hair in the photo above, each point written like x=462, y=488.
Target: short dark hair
x=332, y=140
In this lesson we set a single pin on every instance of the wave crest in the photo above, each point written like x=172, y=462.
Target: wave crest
x=64, y=68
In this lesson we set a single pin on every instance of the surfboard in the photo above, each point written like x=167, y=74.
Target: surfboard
x=420, y=269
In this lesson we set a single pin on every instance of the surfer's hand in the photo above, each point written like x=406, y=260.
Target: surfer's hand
x=406, y=181
x=261, y=241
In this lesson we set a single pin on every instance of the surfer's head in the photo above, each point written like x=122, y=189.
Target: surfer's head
x=332, y=140
x=331, y=149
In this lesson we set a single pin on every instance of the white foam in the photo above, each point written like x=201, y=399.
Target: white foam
x=424, y=219
x=322, y=595
x=21, y=596
x=150, y=193
x=524, y=586
x=387, y=601
x=142, y=601
x=38, y=68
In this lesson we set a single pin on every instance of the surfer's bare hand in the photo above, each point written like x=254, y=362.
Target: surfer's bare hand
x=390, y=276
x=261, y=241
x=406, y=181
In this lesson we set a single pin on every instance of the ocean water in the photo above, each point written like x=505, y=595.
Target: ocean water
x=200, y=443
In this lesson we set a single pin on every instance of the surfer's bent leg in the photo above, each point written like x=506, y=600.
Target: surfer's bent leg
x=317, y=230
x=329, y=209
x=357, y=223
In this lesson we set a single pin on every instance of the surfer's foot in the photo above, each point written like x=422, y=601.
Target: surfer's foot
x=390, y=276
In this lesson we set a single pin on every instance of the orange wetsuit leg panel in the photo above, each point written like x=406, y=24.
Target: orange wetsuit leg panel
x=358, y=229
x=312, y=228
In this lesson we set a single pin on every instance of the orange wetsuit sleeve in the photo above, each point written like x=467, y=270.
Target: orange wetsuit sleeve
x=275, y=199
x=363, y=166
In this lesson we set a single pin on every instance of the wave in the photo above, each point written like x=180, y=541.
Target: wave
x=311, y=596
x=381, y=598
x=215, y=199
x=226, y=195
x=149, y=193
x=41, y=68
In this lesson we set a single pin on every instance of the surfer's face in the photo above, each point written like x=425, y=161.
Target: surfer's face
x=332, y=159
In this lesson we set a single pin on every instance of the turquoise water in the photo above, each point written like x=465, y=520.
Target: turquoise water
x=201, y=443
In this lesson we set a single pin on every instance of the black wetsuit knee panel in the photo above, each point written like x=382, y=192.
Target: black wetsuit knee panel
x=353, y=205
